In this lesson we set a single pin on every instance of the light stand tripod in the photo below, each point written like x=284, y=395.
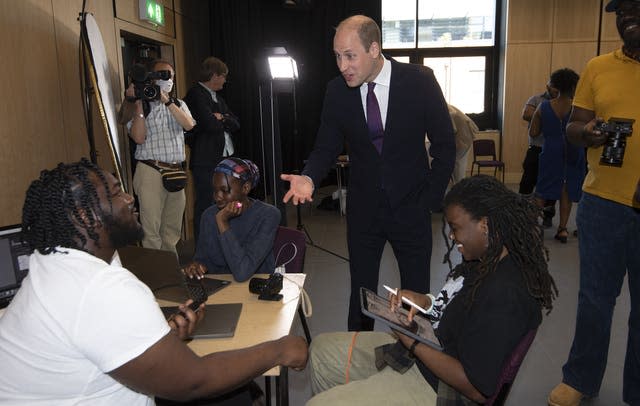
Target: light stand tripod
x=310, y=242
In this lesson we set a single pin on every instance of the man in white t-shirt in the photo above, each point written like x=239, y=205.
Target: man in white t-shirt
x=84, y=330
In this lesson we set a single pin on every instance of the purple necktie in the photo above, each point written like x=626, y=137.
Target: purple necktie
x=374, y=119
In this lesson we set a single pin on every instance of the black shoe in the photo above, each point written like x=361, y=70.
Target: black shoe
x=559, y=237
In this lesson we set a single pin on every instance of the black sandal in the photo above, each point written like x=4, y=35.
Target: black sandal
x=561, y=238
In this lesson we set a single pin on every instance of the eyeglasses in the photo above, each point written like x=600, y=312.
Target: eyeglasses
x=628, y=8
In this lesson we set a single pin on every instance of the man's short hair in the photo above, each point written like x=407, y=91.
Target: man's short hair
x=210, y=66
x=156, y=62
x=367, y=29
x=369, y=32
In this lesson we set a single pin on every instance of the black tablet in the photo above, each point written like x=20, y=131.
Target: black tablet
x=379, y=308
x=220, y=320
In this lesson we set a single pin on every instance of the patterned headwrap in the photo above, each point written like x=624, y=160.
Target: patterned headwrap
x=242, y=169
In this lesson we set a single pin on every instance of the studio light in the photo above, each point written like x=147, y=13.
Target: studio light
x=277, y=72
x=282, y=67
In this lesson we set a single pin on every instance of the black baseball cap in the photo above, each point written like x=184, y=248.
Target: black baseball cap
x=613, y=5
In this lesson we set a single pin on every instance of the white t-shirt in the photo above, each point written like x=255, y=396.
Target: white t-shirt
x=74, y=319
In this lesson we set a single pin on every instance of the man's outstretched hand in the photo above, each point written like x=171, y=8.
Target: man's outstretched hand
x=300, y=188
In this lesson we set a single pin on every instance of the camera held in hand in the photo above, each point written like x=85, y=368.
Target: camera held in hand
x=617, y=131
x=267, y=289
x=143, y=82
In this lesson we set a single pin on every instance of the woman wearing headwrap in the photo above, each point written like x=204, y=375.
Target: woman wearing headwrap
x=237, y=232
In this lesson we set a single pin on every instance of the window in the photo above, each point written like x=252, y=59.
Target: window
x=458, y=40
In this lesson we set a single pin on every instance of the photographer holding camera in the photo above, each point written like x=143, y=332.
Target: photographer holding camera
x=608, y=219
x=157, y=127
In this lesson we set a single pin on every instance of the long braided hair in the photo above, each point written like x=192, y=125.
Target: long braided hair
x=513, y=223
x=55, y=200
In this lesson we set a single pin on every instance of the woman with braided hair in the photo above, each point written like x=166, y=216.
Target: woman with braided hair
x=489, y=302
x=237, y=232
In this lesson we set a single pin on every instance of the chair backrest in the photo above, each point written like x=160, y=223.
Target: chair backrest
x=289, y=247
x=484, y=147
x=510, y=369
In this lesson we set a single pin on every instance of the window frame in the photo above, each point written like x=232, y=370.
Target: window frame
x=488, y=119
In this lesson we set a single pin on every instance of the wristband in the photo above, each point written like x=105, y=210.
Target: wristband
x=413, y=347
x=433, y=299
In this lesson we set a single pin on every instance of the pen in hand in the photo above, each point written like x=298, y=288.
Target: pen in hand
x=404, y=299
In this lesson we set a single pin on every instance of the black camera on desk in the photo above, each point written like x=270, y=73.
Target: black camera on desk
x=617, y=131
x=143, y=82
x=267, y=289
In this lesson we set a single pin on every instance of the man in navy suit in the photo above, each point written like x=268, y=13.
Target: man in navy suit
x=393, y=186
x=211, y=138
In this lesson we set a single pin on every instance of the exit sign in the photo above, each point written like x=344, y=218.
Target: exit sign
x=151, y=11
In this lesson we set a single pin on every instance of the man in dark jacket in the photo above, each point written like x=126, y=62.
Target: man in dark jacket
x=210, y=140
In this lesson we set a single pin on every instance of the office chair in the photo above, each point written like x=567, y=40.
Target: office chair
x=510, y=370
x=486, y=148
x=289, y=248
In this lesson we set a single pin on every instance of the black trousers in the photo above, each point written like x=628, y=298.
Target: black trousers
x=529, y=170
x=408, y=230
x=203, y=184
x=530, y=178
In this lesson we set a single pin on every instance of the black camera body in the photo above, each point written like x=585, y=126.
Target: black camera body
x=267, y=289
x=617, y=131
x=143, y=82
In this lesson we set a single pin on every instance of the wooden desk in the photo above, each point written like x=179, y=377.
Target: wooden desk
x=259, y=321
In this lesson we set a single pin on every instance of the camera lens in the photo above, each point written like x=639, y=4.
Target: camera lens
x=150, y=92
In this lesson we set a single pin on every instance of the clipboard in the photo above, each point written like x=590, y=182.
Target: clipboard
x=379, y=308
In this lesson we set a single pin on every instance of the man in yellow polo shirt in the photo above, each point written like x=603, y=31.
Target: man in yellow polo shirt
x=608, y=218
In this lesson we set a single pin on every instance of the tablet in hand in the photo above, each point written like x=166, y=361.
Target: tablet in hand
x=379, y=308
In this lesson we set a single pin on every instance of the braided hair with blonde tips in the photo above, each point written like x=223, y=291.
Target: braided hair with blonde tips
x=56, y=200
x=512, y=221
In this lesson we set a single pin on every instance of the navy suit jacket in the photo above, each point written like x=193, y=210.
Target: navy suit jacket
x=416, y=108
x=208, y=134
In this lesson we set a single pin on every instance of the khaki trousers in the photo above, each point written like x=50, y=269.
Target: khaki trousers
x=160, y=211
x=367, y=386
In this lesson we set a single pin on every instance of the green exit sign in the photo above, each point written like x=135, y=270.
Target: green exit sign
x=151, y=11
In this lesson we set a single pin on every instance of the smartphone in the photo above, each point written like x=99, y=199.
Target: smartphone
x=197, y=292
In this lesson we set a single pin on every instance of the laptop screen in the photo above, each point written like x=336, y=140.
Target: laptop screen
x=14, y=262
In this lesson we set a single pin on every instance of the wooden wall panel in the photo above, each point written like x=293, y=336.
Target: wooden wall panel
x=574, y=55
x=609, y=30
x=31, y=124
x=576, y=20
x=526, y=74
x=530, y=21
x=608, y=46
x=67, y=33
x=543, y=36
x=42, y=123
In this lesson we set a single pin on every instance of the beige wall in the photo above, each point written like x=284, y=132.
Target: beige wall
x=41, y=119
x=543, y=36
